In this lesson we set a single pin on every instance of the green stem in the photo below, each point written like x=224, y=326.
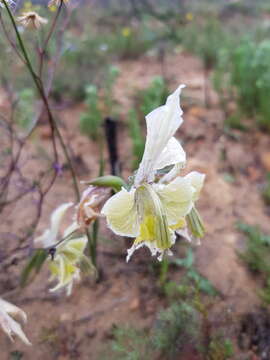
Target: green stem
x=40, y=88
x=164, y=267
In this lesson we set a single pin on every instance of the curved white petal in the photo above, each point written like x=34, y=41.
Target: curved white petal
x=162, y=124
x=71, y=228
x=177, y=199
x=56, y=218
x=9, y=325
x=196, y=179
x=49, y=237
x=172, y=154
x=172, y=174
x=152, y=246
x=121, y=214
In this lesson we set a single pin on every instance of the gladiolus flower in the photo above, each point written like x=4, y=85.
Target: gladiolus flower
x=8, y=324
x=68, y=254
x=152, y=211
x=31, y=20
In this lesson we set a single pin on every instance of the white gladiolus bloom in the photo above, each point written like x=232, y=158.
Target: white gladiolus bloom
x=149, y=211
x=68, y=254
x=8, y=324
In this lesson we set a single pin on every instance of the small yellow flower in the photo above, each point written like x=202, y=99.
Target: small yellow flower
x=27, y=5
x=31, y=20
x=189, y=16
x=126, y=31
x=53, y=8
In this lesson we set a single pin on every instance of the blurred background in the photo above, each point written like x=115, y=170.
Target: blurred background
x=107, y=65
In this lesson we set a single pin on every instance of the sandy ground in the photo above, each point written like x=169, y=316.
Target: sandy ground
x=77, y=327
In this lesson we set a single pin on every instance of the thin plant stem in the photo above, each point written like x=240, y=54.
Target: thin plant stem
x=164, y=267
x=48, y=37
x=40, y=88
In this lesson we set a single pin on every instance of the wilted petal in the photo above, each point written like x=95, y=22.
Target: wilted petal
x=121, y=214
x=162, y=124
x=196, y=179
x=177, y=198
x=31, y=20
x=91, y=202
x=9, y=325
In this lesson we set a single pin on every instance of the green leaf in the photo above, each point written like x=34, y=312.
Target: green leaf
x=187, y=262
x=115, y=182
x=34, y=264
x=202, y=282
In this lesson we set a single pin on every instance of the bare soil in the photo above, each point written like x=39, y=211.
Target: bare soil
x=78, y=327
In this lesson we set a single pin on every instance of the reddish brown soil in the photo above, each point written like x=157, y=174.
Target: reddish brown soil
x=78, y=327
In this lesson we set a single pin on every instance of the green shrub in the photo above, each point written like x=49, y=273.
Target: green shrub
x=25, y=108
x=266, y=190
x=257, y=256
x=244, y=73
x=90, y=121
x=153, y=96
x=176, y=327
x=99, y=104
x=205, y=40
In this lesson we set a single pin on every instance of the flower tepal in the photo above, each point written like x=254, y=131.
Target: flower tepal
x=156, y=207
x=69, y=253
x=8, y=324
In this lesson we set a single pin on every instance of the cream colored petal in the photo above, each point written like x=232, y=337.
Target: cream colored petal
x=162, y=124
x=73, y=249
x=172, y=154
x=196, y=179
x=70, y=229
x=9, y=325
x=49, y=237
x=12, y=309
x=177, y=199
x=121, y=214
x=152, y=246
x=172, y=174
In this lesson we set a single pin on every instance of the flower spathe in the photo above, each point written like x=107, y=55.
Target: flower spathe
x=68, y=254
x=8, y=324
x=151, y=211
